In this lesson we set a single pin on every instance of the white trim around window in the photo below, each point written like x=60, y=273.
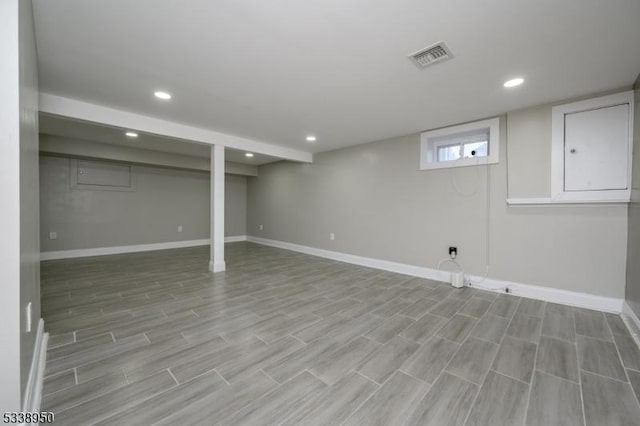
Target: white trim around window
x=462, y=134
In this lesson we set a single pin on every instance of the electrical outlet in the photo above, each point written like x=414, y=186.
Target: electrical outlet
x=260, y=227
x=179, y=228
x=332, y=236
x=453, y=252
x=53, y=235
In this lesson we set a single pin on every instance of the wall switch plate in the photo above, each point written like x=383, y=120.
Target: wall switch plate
x=53, y=235
x=332, y=236
x=260, y=227
x=179, y=228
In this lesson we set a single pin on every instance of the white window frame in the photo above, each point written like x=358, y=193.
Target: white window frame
x=558, y=113
x=429, y=147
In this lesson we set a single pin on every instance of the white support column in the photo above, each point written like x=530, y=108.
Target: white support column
x=216, y=262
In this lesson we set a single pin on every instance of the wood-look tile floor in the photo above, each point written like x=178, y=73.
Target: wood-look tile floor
x=286, y=338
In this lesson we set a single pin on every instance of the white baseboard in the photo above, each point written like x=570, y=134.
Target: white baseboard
x=550, y=294
x=386, y=265
x=547, y=294
x=217, y=267
x=235, y=239
x=102, y=251
x=33, y=391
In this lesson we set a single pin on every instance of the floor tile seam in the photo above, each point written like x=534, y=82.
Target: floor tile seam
x=582, y=370
x=509, y=377
x=575, y=344
x=592, y=337
x=84, y=363
x=549, y=336
x=456, y=352
x=270, y=377
x=168, y=371
x=99, y=396
x=491, y=364
x=369, y=397
x=620, y=360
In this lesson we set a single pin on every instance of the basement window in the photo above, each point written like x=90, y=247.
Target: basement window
x=468, y=144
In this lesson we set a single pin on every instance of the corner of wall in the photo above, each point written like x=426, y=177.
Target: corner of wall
x=632, y=287
x=29, y=197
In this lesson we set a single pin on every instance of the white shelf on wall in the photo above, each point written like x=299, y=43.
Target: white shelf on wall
x=550, y=201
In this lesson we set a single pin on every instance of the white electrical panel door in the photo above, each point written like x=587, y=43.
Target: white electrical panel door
x=596, y=149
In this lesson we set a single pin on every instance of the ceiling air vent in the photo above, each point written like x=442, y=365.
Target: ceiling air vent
x=431, y=55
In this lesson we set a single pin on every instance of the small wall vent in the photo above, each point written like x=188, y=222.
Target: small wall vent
x=431, y=55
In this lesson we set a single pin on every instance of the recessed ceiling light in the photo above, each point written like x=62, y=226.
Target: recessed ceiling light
x=514, y=82
x=132, y=134
x=248, y=154
x=311, y=138
x=162, y=95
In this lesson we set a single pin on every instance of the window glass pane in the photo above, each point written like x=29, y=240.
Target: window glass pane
x=475, y=149
x=448, y=153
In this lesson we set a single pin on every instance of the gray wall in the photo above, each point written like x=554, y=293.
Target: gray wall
x=632, y=291
x=235, y=205
x=163, y=199
x=19, y=246
x=380, y=205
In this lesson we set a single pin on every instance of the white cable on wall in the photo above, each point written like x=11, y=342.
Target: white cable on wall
x=477, y=184
x=487, y=218
x=449, y=260
x=487, y=212
x=487, y=230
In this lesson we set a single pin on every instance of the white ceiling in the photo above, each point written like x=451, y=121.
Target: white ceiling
x=91, y=132
x=278, y=70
